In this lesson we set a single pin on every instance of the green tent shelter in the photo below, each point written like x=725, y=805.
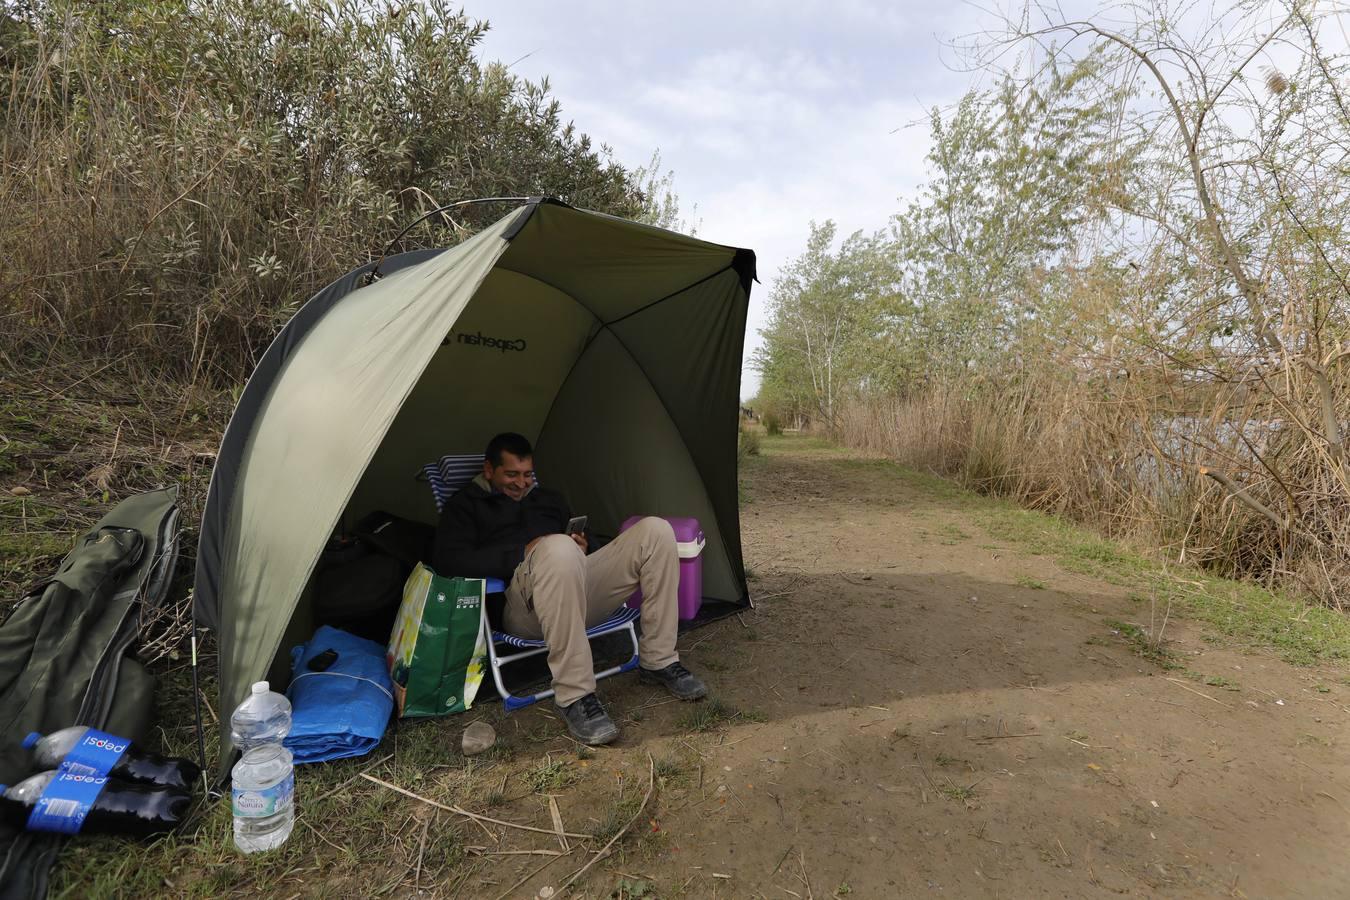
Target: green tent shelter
x=614, y=346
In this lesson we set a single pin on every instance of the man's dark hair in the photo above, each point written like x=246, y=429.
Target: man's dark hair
x=512, y=443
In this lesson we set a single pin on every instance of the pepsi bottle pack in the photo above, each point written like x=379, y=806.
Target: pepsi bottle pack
x=65, y=803
x=92, y=781
x=85, y=751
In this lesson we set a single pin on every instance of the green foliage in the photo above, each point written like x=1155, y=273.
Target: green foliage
x=1123, y=294
x=183, y=173
x=826, y=311
x=1017, y=172
x=747, y=441
x=551, y=776
x=660, y=203
x=711, y=714
x=967, y=276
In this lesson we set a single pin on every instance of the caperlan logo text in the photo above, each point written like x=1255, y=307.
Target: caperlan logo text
x=502, y=345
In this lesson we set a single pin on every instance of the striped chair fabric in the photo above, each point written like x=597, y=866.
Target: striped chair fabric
x=450, y=473
x=625, y=615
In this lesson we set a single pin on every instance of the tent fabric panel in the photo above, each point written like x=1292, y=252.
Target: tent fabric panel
x=225, y=474
x=328, y=410
x=610, y=265
x=689, y=348
x=627, y=457
x=498, y=370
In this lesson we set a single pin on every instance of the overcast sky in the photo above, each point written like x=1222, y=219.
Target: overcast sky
x=770, y=114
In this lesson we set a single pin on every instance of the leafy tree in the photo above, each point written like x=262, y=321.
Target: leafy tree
x=660, y=203
x=1017, y=174
x=824, y=309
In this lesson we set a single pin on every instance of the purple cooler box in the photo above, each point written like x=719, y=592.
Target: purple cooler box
x=689, y=542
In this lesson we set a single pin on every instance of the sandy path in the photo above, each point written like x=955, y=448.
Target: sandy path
x=929, y=726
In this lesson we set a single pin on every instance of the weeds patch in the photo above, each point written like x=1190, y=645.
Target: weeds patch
x=964, y=794
x=620, y=810
x=1300, y=632
x=1144, y=645
x=551, y=776
x=1219, y=681
x=712, y=714
x=667, y=767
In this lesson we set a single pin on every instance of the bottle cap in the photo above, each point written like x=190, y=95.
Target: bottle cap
x=31, y=740
x=260, y=687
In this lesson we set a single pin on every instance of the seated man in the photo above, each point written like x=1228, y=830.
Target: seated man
x=503, y=525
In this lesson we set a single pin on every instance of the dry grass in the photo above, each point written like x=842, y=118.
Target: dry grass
x=179, y=177
x=1220, y=475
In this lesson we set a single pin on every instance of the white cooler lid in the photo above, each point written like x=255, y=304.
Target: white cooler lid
x=690, y=549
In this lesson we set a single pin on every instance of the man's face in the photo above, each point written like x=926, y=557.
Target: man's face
x=513, y=477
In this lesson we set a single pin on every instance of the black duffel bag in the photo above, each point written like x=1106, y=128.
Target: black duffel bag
x=359, y=579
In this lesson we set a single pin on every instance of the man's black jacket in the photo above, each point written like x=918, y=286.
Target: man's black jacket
x=482, y=534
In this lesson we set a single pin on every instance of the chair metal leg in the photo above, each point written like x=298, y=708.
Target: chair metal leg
x=513, y=702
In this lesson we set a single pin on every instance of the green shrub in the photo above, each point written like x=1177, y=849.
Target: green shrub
x=747, y=441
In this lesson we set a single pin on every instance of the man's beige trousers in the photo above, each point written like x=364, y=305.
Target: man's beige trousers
x=558, y=592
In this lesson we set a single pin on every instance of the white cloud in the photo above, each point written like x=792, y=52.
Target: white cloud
x=771, y=115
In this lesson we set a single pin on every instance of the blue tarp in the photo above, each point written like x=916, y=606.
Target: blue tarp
x=343, y=710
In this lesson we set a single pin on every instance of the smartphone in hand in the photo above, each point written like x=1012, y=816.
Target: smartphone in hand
x=576, y=525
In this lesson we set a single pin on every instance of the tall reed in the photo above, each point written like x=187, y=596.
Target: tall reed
x=1228, y=476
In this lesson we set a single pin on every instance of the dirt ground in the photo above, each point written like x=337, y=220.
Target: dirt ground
x=928, y=711
x=918, y=705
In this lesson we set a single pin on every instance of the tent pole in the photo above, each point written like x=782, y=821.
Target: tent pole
x=197, y=705
x=375, y=270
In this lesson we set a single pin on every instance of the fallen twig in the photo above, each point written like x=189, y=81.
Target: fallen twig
x=506, y=893
x=421, y=849
x=657, y=703
x=1187, y=687
x=1333, y=800
x=320, y=836
x=762, y=597
x=604, y=851
x=805, y=876
x=465, y=813
x=558, y=823
x=701, y=641
x=1183, y=706
x=382, y=759
x=999, y=737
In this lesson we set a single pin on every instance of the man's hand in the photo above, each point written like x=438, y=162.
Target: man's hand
x=581, y=541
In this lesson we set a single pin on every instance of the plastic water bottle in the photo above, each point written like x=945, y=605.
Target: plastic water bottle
x=263, y=797
x=263, y=718
x=85, y=751
x=263, y=781
x=65, y=803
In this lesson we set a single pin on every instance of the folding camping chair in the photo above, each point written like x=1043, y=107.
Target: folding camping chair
x=449, y=474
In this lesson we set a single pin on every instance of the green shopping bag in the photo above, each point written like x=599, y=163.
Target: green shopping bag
x=436, y=650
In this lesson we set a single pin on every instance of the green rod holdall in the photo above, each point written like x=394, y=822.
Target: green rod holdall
x=65, y=660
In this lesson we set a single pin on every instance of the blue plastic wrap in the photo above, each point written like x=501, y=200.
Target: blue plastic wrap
x=343, y=710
